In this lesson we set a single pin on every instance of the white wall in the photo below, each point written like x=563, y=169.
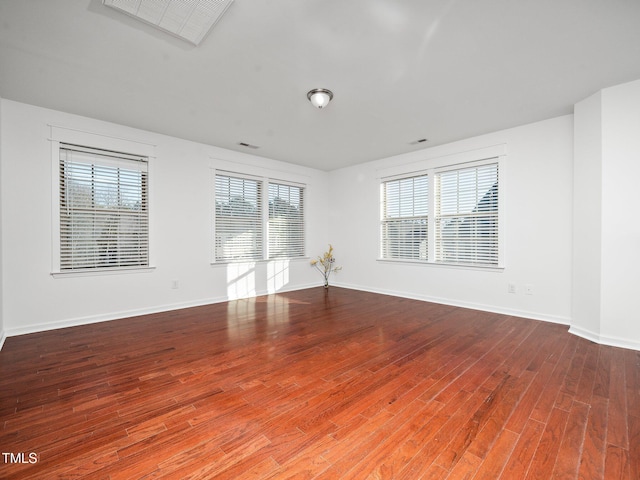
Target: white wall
x=2, y=332
x=537, y=185
x=607, y=233
x=180, y=218
x=620, y=226
x=587, y=217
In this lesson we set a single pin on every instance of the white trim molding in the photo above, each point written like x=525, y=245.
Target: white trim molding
x=603, y=339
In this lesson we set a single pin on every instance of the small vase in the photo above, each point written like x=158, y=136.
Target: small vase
x=326, y=283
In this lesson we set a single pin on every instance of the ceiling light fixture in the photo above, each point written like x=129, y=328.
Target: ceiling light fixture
x=320, y=97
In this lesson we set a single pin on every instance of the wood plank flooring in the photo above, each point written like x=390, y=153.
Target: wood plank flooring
x=318, y=385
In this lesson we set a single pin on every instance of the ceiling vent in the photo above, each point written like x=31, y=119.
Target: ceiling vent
x=248, y=145
x=190, y=20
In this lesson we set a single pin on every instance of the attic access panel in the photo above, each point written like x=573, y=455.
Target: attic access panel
x=190, y=20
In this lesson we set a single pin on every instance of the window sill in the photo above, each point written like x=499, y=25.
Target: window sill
x=455, y=266
x=97, y=272
x=258, y=262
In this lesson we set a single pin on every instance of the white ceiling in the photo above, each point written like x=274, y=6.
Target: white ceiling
x=400, y=70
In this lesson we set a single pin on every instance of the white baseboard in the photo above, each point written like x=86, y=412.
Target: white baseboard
x=592, y=336
x=455, y=303
x=580, y=332
x=75, y=322
x=603, y=339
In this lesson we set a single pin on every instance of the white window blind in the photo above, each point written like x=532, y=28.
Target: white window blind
x=286, y=221
x=405, y=218
x=104, y=218
x=466, y=215
x=238, y=218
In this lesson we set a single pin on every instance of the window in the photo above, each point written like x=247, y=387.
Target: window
x=467, y=215
x=463, y=228
x=248, y=229
x=405, y=218
x=286, y=221
x=238, y=219
x=104, y=218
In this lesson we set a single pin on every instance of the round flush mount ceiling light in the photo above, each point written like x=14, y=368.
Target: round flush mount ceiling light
x=320, y=97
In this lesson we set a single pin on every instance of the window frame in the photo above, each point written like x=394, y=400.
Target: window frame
x=475, y=216
x=265, y=180
x=299, y=241
x=258, y=251
x=431, y=168
x=59, y=136
x=417, y=218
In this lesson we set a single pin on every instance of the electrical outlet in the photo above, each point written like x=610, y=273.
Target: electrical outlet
x=175, y=284
x=511, y=288
x=528, y=289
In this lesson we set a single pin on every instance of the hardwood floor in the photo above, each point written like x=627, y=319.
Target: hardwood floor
x=324, y=385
